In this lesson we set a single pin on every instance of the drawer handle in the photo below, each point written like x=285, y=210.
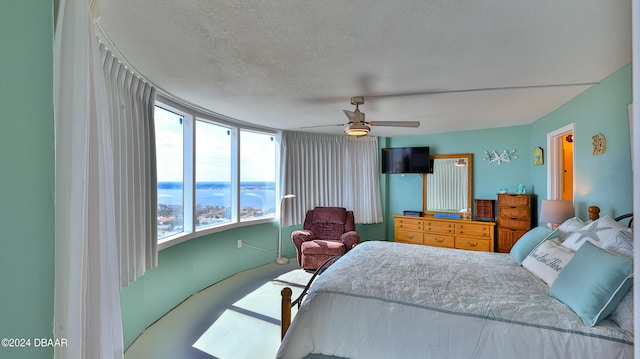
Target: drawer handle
x=439, y=240
x=411, y=236
x=472, y=244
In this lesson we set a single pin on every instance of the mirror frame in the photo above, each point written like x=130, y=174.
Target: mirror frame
x=469, y=158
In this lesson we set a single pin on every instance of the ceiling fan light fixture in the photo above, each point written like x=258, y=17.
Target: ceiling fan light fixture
x=460, y=162
x=356, y=129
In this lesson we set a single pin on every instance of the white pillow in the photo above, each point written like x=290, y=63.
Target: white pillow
x=547, y=260
x=620, y=243
x=567, y=228
x=605, y=233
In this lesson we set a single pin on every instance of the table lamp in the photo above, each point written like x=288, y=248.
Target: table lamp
x=556, y=211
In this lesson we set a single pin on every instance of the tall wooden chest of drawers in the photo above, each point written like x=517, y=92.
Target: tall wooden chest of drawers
x=439, y=232
x=514, y=219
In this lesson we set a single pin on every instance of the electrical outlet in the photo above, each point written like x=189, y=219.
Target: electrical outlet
x=239, y=243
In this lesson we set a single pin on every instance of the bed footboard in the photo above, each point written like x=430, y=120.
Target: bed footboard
x=285, y=311
x=286, y=293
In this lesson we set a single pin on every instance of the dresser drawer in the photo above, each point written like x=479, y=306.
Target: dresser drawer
x=439, y=227
x=439, y=240
x=409, y=221
x=473, y=244
x=514, y=212
x=475, y=230
x=514, y=223
x=409, y=237
x=409, y=224
x=513, y=200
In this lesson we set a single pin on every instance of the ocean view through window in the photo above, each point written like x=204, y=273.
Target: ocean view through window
x=211, y=174
x=214, y=196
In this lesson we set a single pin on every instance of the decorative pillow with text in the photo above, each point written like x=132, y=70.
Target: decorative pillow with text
x=547, y=260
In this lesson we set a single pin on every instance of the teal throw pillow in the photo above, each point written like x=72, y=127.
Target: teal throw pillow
x=593, y=283
x=528, y=242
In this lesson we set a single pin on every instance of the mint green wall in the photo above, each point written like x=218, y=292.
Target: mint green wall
x=26, y=174
x=603, y=180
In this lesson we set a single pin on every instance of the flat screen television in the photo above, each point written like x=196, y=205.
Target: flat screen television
x=406, y=160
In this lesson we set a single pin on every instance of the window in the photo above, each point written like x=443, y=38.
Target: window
x=257, y=175
x=211, y=174
x=169, y=157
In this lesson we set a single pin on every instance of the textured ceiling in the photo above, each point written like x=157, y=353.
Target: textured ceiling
x=291, y=64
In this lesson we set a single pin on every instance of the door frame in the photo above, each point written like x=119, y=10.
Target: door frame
x=554, y=160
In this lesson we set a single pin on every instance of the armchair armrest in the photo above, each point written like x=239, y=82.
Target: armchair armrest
x=350, y=239
x=301, y=235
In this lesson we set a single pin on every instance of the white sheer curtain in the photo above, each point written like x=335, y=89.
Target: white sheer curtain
x=330, y=170
x=451, y=178
x=87, y=290
x=90, y=217
x=131, y=107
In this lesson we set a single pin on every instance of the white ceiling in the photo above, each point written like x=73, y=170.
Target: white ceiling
x=288, y=64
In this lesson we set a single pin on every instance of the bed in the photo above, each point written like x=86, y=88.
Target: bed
x=392, y=300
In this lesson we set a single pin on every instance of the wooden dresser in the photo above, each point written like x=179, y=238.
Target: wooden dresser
x=514, y=219
x=440, y=232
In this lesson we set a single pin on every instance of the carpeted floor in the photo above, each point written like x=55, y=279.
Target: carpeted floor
x=297, y=278
x=237, y=318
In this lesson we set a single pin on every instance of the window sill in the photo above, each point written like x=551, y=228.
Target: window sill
x=175, y=239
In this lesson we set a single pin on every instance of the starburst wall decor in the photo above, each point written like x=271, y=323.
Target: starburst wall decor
x=498, y=158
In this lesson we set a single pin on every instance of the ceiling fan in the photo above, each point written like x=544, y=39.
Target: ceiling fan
x=357, y=126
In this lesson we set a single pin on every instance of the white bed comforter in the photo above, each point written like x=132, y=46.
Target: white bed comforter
x=393, y=300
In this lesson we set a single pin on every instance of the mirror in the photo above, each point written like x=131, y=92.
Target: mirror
x=448, y=188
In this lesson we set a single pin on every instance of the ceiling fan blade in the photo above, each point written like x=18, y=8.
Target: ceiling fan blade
x=337, y=124
x=394, y=123
x=482, y=89
x=354, y=116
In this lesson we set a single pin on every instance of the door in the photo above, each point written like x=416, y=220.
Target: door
x=567, y=167
x=560, y=163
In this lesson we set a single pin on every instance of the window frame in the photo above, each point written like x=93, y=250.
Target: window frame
x=191, y=114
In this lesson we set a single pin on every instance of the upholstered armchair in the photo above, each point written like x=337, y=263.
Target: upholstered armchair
x=327, y=231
